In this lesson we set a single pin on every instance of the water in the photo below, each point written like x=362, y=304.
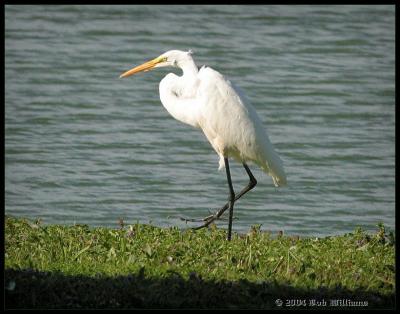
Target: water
x=82, y=146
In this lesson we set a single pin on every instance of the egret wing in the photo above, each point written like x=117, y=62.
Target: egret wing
x=232, y=125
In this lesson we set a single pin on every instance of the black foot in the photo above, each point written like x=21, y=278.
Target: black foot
x=195, y=219
x=207, y=221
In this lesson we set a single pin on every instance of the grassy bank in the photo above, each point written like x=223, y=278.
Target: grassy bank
x=142, y=266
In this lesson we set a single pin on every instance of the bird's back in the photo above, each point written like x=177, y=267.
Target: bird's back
x=233, y=127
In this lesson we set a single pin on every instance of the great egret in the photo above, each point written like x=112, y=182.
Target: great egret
x=206, y=100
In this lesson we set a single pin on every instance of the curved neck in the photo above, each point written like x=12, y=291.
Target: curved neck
x=177, y=92
x=177, y=96
x=188, y=67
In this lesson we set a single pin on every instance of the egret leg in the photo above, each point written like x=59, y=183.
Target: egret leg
x=252, y=183
x=231, y=198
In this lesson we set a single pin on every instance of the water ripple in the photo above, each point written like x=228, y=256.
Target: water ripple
x=83, y=146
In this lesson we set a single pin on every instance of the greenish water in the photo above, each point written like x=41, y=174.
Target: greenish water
x=83, y=146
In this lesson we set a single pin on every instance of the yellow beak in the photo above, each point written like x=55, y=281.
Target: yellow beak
x=144, y=67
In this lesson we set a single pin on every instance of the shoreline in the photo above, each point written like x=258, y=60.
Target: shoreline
x=143, y=266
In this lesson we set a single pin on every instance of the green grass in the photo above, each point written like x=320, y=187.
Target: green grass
x=142, y=266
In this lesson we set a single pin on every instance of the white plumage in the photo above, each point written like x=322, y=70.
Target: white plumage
x=208, y=101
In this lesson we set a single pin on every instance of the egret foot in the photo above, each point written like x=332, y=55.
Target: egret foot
x=195, y=219
x=208, y=220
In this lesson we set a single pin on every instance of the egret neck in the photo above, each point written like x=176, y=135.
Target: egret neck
x=178, y=93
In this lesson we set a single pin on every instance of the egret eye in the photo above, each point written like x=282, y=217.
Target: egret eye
x=175, y=63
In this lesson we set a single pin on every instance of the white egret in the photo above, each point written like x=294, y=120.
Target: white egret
x=206, y=100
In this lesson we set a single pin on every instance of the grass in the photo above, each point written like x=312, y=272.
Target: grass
x=143, y=266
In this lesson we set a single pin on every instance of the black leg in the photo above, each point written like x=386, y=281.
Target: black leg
x=231, y=198
x=252, y=183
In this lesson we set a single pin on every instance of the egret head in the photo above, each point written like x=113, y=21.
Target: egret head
x=174, y=58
